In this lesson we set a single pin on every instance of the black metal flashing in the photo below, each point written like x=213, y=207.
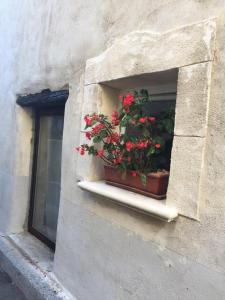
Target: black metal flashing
x=44, y=98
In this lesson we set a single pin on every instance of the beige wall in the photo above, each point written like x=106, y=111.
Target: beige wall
x=105, y=251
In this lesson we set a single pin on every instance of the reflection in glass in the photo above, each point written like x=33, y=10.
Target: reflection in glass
x=48, y=176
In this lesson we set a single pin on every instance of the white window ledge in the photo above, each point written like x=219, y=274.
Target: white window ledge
x=147, y=205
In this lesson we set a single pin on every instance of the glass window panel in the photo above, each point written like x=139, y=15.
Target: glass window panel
x=48, y=176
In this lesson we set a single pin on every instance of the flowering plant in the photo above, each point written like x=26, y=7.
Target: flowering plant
x=133, y=139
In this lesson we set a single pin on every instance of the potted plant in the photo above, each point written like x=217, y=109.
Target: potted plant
x=134, y=144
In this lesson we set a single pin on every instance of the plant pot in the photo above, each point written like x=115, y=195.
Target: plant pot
x=156, y=186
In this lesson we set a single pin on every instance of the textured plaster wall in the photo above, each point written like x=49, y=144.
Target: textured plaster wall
x=105, y=251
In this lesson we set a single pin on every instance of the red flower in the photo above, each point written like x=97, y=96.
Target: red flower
x=129, y=146
x=88, y=120
x=119, y=159
x=97, y=128
x=95, y=117
x=120, y=97
x=115, y=120
x=142, y=120
x=81, y=150
x=115, y=114
x=118, y=151
x=113, y=138
x=157, y=146
x=100, y=152
x=142, y=144
x=88, y=135
x=152, y=119
x=128, y=100
x=129, y=158
x=133, y=173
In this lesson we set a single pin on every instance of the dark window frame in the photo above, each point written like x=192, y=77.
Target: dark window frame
x=38, y=113
x=44, y=103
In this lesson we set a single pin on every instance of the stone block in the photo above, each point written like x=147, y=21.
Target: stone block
x=195, y=77
x=99, y=99
x=185, y=175
x=191, y=115
x=88, y=167
x=192, y=100
x=142, y=52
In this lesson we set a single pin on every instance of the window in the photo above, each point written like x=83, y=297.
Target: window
x=48, y=110
x=46, y=177
x=155, y=53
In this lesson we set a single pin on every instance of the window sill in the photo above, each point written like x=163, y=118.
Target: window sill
x=147, y=205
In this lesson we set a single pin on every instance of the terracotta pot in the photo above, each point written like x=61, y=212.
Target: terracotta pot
x=156, y=186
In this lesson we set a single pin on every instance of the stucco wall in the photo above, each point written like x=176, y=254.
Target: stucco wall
x=105, y=251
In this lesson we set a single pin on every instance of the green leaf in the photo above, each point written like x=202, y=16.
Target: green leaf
x=97, y=139
x=120, y=108
x=123, y=166
x=151, y=151
x=143, y=178
x=146, y=132
x=144, y=93
x=169, y=126
x=133, y=139
x=123, y=123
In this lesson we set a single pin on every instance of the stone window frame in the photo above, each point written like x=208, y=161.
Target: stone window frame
x=190, y=49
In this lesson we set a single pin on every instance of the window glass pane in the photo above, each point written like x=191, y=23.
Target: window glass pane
x=48, y=176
